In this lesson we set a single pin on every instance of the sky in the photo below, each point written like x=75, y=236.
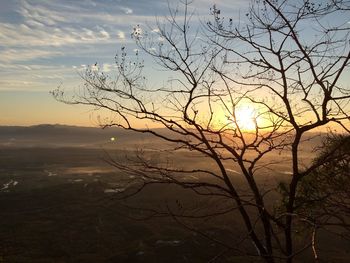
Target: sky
x=45, y=44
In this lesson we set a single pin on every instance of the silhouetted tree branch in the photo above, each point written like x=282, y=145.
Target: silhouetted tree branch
x=293, y=75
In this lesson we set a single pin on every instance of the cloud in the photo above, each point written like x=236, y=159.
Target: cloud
x=13, y=55
x=106, y=67
x=127, y=10
x=40, y=14
x=38, y=35
x=18, y=76
x=104, y=34
x=47, y=23
x=121, y=35
x=54, y=13
x=46, y=35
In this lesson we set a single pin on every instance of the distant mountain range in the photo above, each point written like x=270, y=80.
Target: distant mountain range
x=47, y=135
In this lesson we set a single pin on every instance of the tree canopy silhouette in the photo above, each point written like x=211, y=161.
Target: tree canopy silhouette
x=324, y=195
x=285, y=61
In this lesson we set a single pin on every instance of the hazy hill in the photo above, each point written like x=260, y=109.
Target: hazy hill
x=46, y=135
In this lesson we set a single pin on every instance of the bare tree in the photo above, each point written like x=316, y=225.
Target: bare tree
x=237, y=94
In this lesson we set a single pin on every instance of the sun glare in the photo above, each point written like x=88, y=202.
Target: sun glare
x=246, y=118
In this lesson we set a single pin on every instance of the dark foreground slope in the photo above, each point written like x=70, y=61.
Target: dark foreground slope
x=56, y=207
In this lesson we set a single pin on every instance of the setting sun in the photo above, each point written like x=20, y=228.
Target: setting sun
x=246, y=118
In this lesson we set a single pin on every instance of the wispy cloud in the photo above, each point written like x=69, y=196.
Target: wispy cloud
x=34, y=77
x=40, y=14
x=121, y=35
x=127, y=10
x=38, y=35
x=46, y=43
x=53, y=25
x=51, y=33
x=14, y=55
